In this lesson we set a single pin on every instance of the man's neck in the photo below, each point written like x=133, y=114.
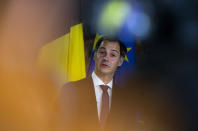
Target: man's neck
x=106, y=78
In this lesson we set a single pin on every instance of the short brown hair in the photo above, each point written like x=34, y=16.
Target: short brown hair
x=123, y=49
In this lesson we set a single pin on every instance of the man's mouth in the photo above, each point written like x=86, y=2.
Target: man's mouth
x=105, y=65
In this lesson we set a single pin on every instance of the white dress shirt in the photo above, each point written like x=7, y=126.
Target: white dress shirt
x=98, y=91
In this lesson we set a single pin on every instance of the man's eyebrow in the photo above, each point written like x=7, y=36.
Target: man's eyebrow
x=116, y=51
x=101, y=48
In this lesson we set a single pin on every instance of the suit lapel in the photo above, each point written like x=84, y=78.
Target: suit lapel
x=91, y=99
x=115, y=93
x=92, y=96
x=116, y=111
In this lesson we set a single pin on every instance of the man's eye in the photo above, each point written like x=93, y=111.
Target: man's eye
x=113, y=55
x=101, y=52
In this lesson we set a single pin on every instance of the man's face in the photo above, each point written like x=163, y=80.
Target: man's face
x=107, y=58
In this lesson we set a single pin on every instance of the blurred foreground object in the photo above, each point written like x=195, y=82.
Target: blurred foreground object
x=26, y=99
x=27, y=95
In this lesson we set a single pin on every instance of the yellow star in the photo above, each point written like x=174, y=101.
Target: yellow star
x=126, y=58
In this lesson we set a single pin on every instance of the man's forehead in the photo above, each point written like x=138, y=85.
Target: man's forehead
x=111, y=44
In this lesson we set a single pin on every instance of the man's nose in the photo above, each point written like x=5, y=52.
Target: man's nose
x=106, y=56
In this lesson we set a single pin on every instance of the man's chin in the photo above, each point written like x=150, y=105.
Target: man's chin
x=106, y=72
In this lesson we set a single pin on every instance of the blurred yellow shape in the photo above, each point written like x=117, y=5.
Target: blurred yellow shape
x=113, y=15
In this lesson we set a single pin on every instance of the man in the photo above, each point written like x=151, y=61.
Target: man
x=96, y=103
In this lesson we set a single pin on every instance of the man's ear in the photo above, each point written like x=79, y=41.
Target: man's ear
x=121, y=61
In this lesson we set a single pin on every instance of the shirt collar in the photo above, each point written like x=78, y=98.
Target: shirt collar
x=97, y=81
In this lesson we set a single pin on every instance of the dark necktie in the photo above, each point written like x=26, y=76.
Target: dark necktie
x=105, y=106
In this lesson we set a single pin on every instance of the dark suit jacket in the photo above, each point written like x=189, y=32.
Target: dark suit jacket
x=139, y=106
x=79, y=108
